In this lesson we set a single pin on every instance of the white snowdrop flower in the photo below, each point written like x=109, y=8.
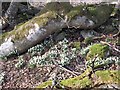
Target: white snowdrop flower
x=2, y=77
x=91, y=23
x=73, y=49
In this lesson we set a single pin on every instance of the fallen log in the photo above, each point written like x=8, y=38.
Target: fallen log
x=52, y=18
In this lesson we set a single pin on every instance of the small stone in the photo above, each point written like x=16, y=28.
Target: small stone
x=60, y=36
x=88, y=33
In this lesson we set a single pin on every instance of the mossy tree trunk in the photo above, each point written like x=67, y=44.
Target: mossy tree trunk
x=52, y=18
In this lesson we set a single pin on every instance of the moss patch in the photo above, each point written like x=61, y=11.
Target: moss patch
x=77, y=82
x=44, y=18
x=60, y=8
x=88, y=40
x=108, y=76
x=97, y=49
x=99, y=13
x=76, y=45
x=83, y=81
x=78, y=10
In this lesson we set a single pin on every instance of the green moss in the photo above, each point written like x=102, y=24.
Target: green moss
x=60, y=8
x=21, y=30
x=44, y=18
x=18, y=26
x=108, y=76
x=2, y=36
x=77, y=82
x=88, y=40
x=99, y=13
x=97, y=49
x=76, y=45
x=40, y=20
x=83, y=81
x=78, y=10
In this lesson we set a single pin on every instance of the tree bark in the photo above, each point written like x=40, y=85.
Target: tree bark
x=52, y=18
x=12, y=12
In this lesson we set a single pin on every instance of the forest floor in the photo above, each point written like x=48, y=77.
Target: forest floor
x=26, y=77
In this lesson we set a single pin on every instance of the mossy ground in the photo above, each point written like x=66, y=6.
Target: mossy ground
x=88, y=40
x=83, y=81
x=108, y=76
x=58, y=11
x=77, y=45
x=97, y=49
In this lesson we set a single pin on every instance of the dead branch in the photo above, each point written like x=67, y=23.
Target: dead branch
x=113, y=47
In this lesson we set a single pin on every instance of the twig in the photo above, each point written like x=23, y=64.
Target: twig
x=101, y=37
x=110, y=46
x=117, y=34
x=72, y=72
x=5, y=19
x=40, y=66
x=65, y=20
x=46, y=76
x=93, y=71
x=65, y=69
x=93, y=62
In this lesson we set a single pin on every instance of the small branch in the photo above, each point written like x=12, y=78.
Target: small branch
x=46, y=76
x=72, y=72
x=93, y=62
x=110, y=46
x=63, y=68
x=101, y=37
x=117, y=34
